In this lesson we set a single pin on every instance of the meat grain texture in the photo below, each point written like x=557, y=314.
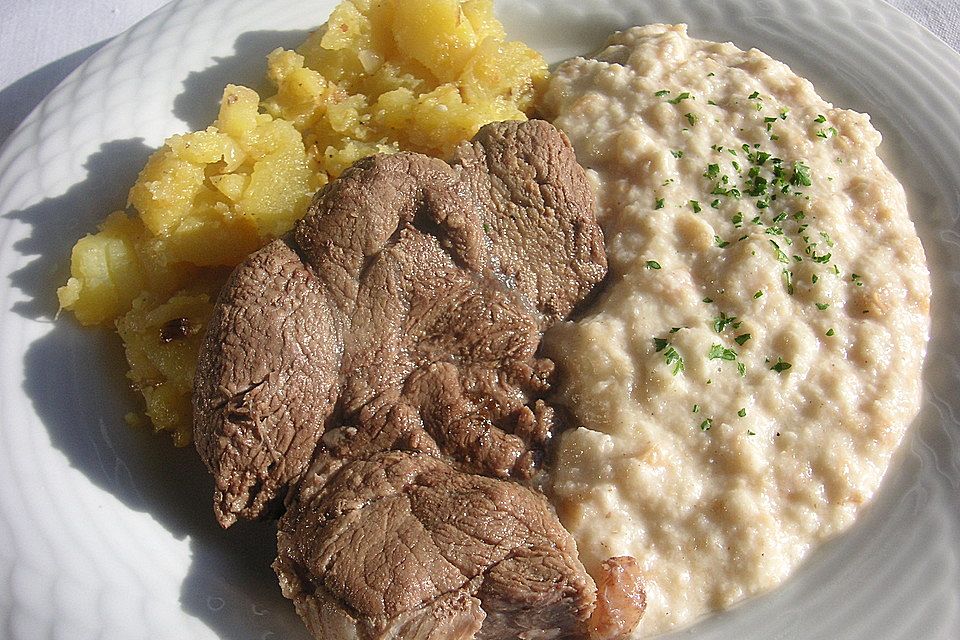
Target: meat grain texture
x=373, y=380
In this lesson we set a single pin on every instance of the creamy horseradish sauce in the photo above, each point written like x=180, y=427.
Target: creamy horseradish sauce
x=755, y=359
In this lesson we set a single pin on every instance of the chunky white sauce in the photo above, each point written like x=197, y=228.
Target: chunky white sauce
x=720, y=481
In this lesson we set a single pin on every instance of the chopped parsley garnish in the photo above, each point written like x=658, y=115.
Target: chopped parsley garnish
x=677, y=153
x=750, y=433
x=722, y=321
x=719, y=352
x=820, y=118
x=692, y=118
x=680, y=98
x=758, y=294
x=821, y=258
x=712, y=171
x=706, y=424
x=827, y=133
x=788, y=281
x=742, y=369
x=742, y=338
x=855, y=279
x=830, y=332
x=672, y=357
x=778, y=252
x=720, y=242
x=814, y=278
x=659, y=344
x=662, y=92
x=801, y=175
x=486, y=228
x=754, y=95
x=781, y=365
x=658, y=204
x=695, y=205
x=822, y=306
x=743, y=413
x=707, y=300
x=653, y=264
x=737, y=219
x=758, y=187
x=696, y=408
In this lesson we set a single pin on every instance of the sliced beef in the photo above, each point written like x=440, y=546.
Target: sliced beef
x=402, y=542
x=404, y=314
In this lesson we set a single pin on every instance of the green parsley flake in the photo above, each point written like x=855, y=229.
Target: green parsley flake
x=781, y=365
x=680, y=98
x=662, y=92
x=692, y=118
x=830, y=332
x=822, y=306
x=856, y=279
x=720, y=242
x=723, y=320
x=741, y=369
x=758, y=294
x=712, y=171
x=696, y=408
x=742, y=338
x=653, y=264
x=706, y=424
x=820, y=118
x=788, y=281
x=718, y=352
x=677, y=153
x=743, y=413
x=695, y=205
x=658, y=204
x=778, y=252
x=659, y=344
x=801, y=175
x=672, y=357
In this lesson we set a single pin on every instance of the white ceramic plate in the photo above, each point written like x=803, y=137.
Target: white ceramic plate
x=107, y=533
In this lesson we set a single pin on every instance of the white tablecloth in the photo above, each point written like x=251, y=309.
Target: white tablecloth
x=41, y=41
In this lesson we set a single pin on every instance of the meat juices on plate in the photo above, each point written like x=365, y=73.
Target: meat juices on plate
x=375, y=379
